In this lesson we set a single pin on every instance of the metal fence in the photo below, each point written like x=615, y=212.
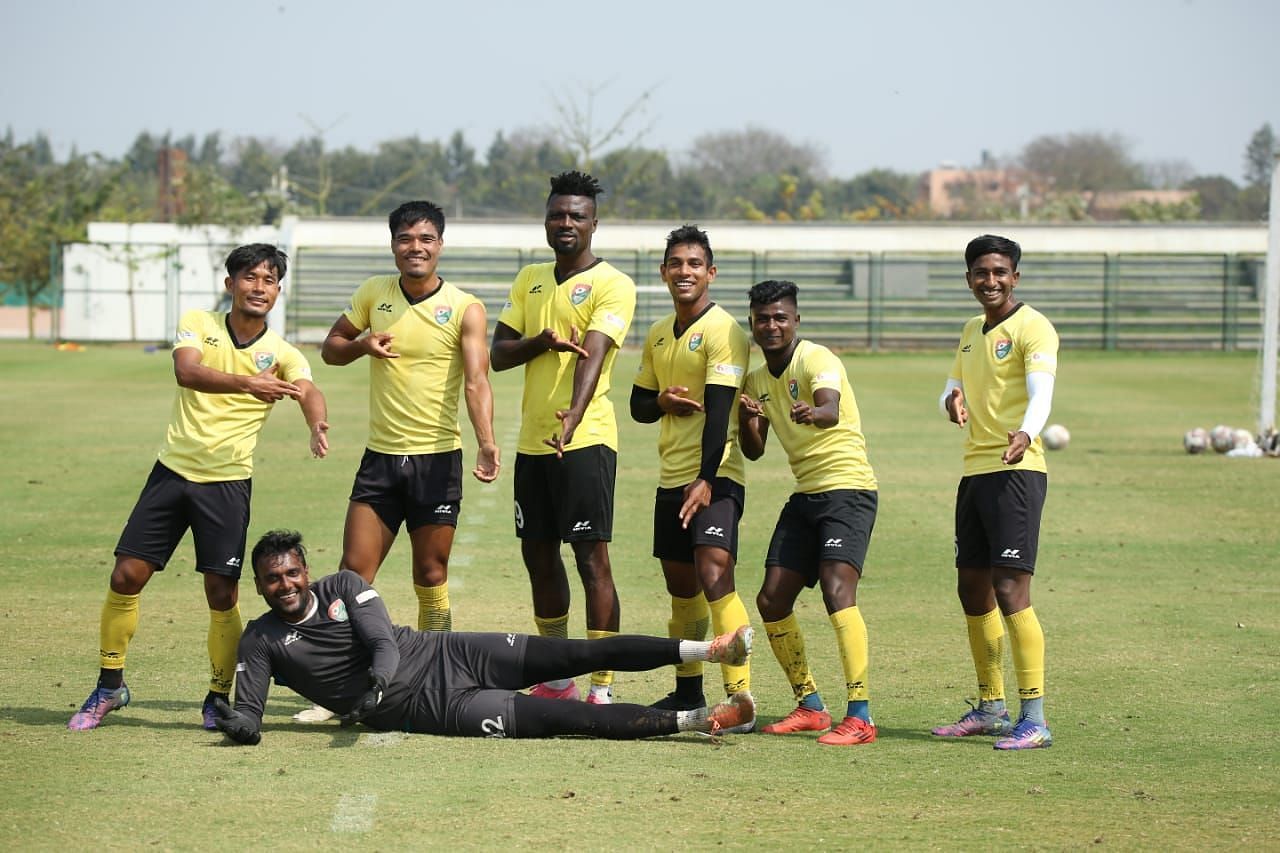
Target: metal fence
x=876, y=302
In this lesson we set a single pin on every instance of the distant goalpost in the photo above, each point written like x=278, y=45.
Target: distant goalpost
x=1270, y=310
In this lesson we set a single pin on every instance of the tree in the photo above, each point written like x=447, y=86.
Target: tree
x=1083, y=161
x=579, y=129
x=1260, y=157
x=1219, y=197
x=748, y=165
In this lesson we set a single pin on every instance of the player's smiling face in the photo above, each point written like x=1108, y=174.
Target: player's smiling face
x=688, y=275
x=254, y=291
x=570, y=222
x=774, y=325
x=285, y=586
x=417, y=250
x=992, y=279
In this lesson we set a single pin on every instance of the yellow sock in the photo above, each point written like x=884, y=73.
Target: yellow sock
x=851, y=637
x=986, y=643
x=556, y=626
x=728, y=615
x=689, y=620
x=603, y=677
x=224, y=636
x=119, y=621
x=1026, y=640
x=433, y=607
x=787, y=641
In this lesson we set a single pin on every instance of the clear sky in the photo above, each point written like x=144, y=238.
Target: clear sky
x=895, y=83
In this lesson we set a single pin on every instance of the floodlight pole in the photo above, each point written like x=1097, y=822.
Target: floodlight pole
x=1271, y=307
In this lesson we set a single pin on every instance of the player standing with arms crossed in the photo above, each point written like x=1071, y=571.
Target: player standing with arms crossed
x=692, y=366
x=564, y=321
x=230, y=369
x=1001, y=388
x=823, y=531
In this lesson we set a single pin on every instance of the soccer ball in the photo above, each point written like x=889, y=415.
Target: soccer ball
x=1223, y=438
x=1241, y=439
x=1196, y=440
x=1055, y=437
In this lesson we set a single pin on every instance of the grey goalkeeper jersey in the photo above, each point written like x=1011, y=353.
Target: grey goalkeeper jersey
x=327, y=656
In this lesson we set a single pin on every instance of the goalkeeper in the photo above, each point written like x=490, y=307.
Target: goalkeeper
x=333, y=643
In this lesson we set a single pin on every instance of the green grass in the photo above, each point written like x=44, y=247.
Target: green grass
x=1158, y=588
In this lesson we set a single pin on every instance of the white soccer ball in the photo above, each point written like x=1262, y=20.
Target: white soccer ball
x=1196, y=440
x=1241, y=439
x=1223, y=438
x=1055, y=437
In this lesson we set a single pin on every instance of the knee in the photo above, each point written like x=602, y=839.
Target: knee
x=130, y=575
x=771, y=609
x=222, y=593
x=1012, y=594
x=431, y=572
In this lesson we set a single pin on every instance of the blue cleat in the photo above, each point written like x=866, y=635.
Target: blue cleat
x=102, y=701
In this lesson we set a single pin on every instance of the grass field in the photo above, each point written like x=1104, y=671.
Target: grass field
x=1158, y=587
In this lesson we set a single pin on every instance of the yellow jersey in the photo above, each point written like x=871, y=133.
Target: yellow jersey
x=820, y=459
x=211, y=437
x=413, y=399
x=992, y=365
x=597, y=299
x=713, y=350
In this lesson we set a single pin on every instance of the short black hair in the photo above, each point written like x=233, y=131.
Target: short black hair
x=773, y=290
x=990, y=244
x=575, y=183
x=247, y=257
x=277, y=543
x=413, y=212
x=689, y=235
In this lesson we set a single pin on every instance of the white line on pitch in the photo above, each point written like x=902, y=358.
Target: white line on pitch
x=353, y=813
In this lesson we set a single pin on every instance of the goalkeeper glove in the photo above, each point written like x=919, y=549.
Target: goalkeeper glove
x=367, y=704
x=235, y=725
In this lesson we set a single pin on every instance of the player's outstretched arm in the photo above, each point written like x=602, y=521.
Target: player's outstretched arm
x=265, y=386
x=316, y=413
x=510, y=349
x=753, y=427
x=478, y=392
x=344, y=344
x=824, y=413
x=240, y=727
x=952, y=402
x=586, y=376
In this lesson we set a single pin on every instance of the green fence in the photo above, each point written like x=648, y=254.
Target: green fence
x=877, y=301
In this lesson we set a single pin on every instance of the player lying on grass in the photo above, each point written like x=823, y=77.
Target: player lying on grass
x=333, y=643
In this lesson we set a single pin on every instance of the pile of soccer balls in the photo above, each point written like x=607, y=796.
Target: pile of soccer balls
x=1231, y=441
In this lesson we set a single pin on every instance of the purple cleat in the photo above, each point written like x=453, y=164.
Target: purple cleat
x=102, y=701
x=1026, y=735
x=976, y=722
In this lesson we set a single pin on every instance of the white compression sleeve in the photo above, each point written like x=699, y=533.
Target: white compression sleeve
x=952, y=384
x=1039, y=402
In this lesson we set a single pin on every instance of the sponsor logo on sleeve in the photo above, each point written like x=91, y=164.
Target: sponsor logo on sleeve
x=614, y=320
x=1044, y=359
x=826, y=377
x=367, y=595
x=728, y=370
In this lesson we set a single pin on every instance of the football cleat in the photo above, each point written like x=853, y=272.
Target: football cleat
x=102, y=701
x=314, y=714
x=209, y=714
x=801, y=719
x=1026, y=735
x=600, y=697
x=733, y=649
x=851, y=731
x=735, y=715
x=542, y=691
x=976, y=722
x=673, y=701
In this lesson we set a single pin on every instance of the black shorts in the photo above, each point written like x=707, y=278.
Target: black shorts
x=715, y=525
x=567, y=499
x=216, y=513
x=834, y=525
x=998, y=519
x=414, y=490
x=470, y=687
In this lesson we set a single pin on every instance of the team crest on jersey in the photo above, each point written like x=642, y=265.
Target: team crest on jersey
x=263, y=360
x=1003, y=346
x=695, y=341
x=579, y=294
x=793, y=388
x=338, y=611
x=443, y=313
